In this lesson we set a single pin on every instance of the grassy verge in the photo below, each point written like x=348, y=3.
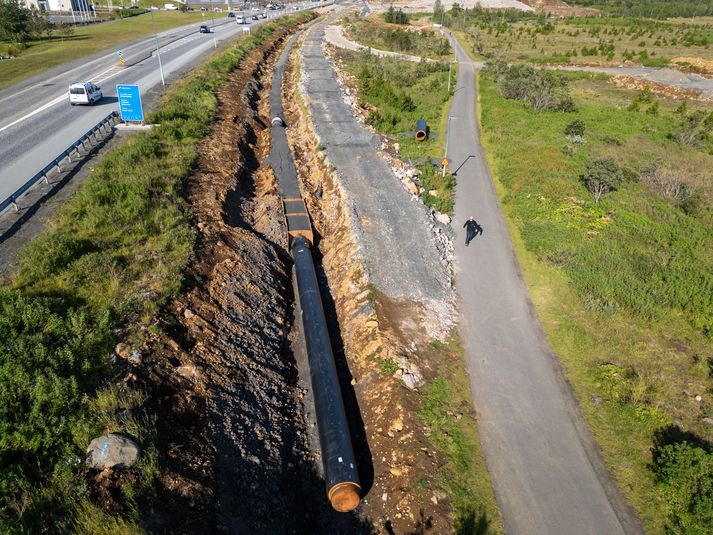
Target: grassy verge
x=110, y=259
x=396, y=94
x=622, y=286
x=447, y=411
x=83, y=41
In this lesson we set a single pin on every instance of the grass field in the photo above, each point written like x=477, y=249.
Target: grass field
x=623, y=287
x=396, y=94
x=96, y=276
x=84, y=41
x=591, y=40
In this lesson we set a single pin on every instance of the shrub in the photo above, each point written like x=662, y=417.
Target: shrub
x=684, y=471
x=541, y=89
x=693, y=129
x=601, y=177
x=575, y=128
x=395, y=17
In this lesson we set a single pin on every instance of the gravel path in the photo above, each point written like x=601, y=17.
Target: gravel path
x=402, y=259
x=546, y=469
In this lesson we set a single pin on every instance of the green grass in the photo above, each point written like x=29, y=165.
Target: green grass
x=586, y=40
x=396, y=94
x=623, y=288
x=108, y=261
x=447, y=412
x=45, y=54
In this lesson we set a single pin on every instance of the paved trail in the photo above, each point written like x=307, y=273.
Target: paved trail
x=546, y=470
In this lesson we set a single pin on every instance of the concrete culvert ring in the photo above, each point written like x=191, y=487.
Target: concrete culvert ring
x=278, y=121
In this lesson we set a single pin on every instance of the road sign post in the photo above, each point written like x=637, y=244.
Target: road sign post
x=120, y=54
x=130, y=103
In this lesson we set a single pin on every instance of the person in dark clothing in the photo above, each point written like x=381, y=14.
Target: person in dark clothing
x=472, y=229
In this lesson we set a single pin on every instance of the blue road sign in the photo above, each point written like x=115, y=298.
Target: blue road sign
x=130, y=103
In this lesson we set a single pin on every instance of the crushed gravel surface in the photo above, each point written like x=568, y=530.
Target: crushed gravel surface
x=402, y=255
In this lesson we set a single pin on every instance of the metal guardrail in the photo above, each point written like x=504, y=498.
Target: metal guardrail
x=110, y=120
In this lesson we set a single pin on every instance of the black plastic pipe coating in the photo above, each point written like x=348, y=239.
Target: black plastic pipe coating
x=340, y=470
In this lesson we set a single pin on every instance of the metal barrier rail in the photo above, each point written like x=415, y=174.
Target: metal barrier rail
x=110, y=120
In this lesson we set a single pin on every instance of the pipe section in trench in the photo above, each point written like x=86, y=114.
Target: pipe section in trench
x=340, y=470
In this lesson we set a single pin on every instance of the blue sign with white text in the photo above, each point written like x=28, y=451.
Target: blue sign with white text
x=130, y=103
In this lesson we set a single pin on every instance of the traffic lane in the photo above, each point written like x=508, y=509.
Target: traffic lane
x=23, y=98
x=28, y=147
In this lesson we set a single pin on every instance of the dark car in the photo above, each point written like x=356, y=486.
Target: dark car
x=255, y=17
x=231, y=14
x=204, y=28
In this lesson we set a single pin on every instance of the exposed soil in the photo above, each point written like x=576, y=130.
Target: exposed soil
x=558, y=8
x=701, y=66
x=669, y=91
x=397, y=464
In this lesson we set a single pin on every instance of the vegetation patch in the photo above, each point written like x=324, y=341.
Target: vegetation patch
x=394, y=95
x=612, y=222
x=38, y=46
x=399, y=36
x=110, y=259
x=517, y=36
x=446, y=410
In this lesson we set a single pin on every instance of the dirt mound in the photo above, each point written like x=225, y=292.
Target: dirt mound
x=694, y=64
x=558, y=8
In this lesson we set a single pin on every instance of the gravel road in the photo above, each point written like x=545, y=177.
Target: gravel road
x=401, y=254
x=546, y=469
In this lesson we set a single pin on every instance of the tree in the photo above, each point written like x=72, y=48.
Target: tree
x=601, y=177
x=16, y=21
x=438, y=11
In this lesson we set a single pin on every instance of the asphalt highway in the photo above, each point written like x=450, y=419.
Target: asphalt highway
x=37, y=122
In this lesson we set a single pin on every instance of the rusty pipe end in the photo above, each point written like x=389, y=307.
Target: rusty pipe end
x=344, y=497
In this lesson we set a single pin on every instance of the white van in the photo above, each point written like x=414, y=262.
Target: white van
x=84, y=93
x=241, y=20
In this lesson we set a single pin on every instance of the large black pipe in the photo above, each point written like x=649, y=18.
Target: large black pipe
x=340, y=470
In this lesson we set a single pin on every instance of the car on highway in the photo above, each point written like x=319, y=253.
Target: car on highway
x=255, y=17
x=263, y=15
x=231, y=14
x=204, y=28
x=84, y=93
x=242, y=20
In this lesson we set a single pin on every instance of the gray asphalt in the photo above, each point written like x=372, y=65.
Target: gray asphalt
x=28, y=146
x=545, y=467
x=401, y=253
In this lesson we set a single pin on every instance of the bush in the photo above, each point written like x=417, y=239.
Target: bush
x=694, y=129
x=50, y=357
x=601, y=177
x=684, y=471
x=395, y=17
x=575, y=128
x=541, y=89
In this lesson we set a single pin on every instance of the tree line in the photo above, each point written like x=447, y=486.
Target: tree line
x=657, y=9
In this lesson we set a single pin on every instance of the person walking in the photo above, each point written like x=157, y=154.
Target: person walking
x=472, y=229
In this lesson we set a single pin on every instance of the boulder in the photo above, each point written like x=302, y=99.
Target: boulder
x=443, y=218
x=111, y=451
x=123, y=350
x=409, y=381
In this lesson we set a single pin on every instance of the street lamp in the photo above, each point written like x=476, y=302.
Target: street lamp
x=212, y=24
x=158, y=51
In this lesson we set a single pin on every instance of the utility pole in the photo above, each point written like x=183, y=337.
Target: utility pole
x=448, y=131
x=212, y=24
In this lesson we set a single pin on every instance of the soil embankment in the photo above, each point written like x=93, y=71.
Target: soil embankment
x=233, y=440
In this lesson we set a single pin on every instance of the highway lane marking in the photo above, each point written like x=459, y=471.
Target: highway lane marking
x=104, y=75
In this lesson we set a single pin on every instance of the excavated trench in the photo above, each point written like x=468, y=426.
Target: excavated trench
x=226, y=372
